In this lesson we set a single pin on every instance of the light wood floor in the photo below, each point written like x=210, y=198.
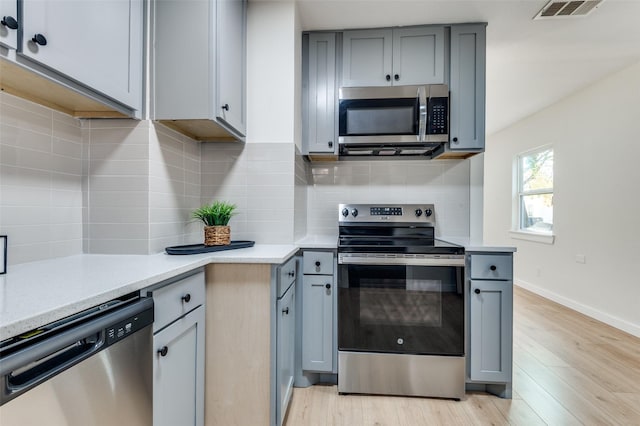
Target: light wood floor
x=568, y=369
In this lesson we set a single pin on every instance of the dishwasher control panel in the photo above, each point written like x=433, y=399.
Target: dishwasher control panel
x=124, y=328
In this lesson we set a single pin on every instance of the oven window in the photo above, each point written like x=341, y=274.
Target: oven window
x=401, y=309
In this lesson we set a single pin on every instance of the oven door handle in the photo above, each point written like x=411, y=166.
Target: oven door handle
x=410, y=261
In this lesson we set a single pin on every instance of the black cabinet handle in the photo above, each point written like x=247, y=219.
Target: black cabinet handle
x=327, y=286
x=388, y=77
x=39, y=39
x=225, y=107
x=493, y=267
x=9, y=21
x=455, y=140
x=317, y=264
x=286, y=311
x=186, y=298
x=396, y=77
x=330, y=143
x=163, y=351
x=291, y=273
x=476, y=291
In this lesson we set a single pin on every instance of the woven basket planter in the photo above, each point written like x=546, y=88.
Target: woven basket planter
x=217, y=235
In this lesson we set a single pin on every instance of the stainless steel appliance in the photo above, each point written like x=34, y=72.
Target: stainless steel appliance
x=93, y=368
x=400, y=303
x=398, y=121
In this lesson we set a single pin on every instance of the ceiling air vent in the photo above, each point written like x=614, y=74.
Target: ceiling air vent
x=564, y=9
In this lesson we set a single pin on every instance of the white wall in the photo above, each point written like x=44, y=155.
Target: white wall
x=595, y=134
x=272, y=71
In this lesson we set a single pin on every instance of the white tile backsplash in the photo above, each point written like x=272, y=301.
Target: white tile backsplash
x=441, y=182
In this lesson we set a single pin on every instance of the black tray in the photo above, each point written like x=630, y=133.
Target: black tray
x=201, y=248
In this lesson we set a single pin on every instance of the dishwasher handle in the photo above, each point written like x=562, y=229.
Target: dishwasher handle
x=37, y=372
x=33, y=364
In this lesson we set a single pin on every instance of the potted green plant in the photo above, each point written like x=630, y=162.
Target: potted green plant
x=215, y=217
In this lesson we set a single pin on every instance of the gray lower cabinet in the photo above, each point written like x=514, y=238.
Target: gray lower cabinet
x=319, y=94
x=317, y=323
x=319, y=299
x=97, y=43
x=285, y=356
x=199, y=73
x=179, y=349
x=490, y=321
x=467, y=88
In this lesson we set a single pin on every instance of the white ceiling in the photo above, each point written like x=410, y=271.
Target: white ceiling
x=530, y=64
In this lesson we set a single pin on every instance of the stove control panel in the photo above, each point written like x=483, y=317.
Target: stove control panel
x=392, y=213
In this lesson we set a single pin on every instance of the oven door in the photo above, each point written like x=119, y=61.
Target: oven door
x=401, y=305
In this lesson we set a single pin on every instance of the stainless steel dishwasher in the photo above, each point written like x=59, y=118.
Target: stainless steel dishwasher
x=92, y=368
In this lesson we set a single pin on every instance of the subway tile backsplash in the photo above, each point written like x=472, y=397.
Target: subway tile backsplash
x=70, y=186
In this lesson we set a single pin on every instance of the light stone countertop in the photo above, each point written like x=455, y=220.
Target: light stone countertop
x=37, y=293
x=318, y=242
x=477, y=246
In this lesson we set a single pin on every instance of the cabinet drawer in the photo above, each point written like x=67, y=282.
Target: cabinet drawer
x=286, y=276
x=492, y=267
x=318, y=262
x=176, y=299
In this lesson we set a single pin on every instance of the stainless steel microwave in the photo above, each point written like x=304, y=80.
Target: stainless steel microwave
x=398, y=120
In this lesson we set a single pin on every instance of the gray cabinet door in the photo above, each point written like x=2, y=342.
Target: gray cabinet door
x=97, y=43
x=418, y=55
x=321, y=98
x=285, y=355
x=178, y=376
x=367, y=58
x=9, y=12
x=230, y=64
x=317, y=323
x=467, y=87
x=491, y=313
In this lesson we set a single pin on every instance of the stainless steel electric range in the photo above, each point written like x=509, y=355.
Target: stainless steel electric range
x=400, y=303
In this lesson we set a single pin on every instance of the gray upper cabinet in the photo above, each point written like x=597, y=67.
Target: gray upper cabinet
x=467, y=87
x=199, y=77
x=98, y=44
x=418, y=55
x=9, y=24
x=386, y=57
x=320, y=109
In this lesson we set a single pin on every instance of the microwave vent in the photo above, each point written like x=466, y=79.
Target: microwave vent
x=565, y=9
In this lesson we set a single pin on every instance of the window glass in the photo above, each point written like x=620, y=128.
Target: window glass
x=535, y=179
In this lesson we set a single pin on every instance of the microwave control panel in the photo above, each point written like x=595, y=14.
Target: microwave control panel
x=437, y=116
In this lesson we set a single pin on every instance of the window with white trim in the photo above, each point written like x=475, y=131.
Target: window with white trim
x=535, y=191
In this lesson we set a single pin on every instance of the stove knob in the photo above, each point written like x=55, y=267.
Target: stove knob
x=354, y=212
x=345, y=212
x=428, y=212
x=418, y=212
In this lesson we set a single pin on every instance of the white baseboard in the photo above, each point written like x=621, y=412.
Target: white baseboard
x=611, y=320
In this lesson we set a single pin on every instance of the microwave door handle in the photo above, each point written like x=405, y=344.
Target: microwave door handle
x=422, y=126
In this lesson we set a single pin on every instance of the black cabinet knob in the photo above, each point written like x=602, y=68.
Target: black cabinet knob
x=493, y=267
x=396, y=77
x=476, y=291
x=291, y=274
x=225, y=107
x=327, y=286
x=286, y=311
x=163, y=351
x=9, y=21
x=330, y=143
x=186, y=298
x=39, y=39
x=388, y=77
x=317, y=264
x=455, y=140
